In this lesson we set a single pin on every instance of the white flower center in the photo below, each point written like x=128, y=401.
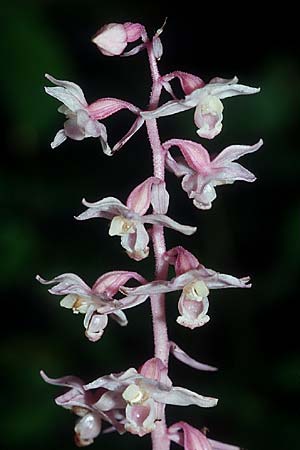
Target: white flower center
x=196, y=290
x=120, y=226
x=134, y=395
x=211, y=105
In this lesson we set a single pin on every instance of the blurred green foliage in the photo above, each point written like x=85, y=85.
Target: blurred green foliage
x=251, y=229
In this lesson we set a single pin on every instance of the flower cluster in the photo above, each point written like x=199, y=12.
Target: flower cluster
x=135, y=400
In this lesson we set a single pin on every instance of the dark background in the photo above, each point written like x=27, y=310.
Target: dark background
x=252, y=228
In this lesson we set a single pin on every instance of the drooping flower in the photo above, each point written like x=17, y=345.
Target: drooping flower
x=81, y=402
x=143, y=394
x=83, y=118
x=205, y=98
x=127, y=221
x=192, y=439
x=112, y=39
x=201, y=174
x=97, y=302
x=195, y=283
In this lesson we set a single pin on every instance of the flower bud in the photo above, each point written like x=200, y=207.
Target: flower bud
x=112, y=38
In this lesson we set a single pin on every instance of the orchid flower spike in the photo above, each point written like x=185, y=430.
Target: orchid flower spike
x=81, y=402
x=201, y=174
x=83, y=119
x=97, y=302
x=128, y=221
x=140, y=396
x=205, y=98
x=190, y=438
x=112, y=39
x=195, y=282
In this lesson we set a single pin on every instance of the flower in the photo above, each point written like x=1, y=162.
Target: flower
x=141, y=395
x=97, y=302
x=195, y=283
x=206, y=98
x=127, y=221
x=112, y=39
x=192, y=439
x=83, y=119
x=81, y=402
x=201, y=174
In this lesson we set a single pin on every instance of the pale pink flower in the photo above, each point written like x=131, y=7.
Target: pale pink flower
x=143, y=394
x=112, y=39
x=97, y=302
x=83, y=118
x=205, y=98
x=192, y=439
x=128, y=221
x=81, y=402
x=195, y=284
x=201, y=174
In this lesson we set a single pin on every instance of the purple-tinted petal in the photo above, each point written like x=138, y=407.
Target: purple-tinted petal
x=234, y=152
x=216, y=445
x=110, y=400
x=179, y=354
x=190, y=438
x=233, y=172
x=161, y=219
x=106, y=208
x=182, y=259
x=178, y=166
x=160, y=198
x=155, y=369
x=188, y=81
x=120, y=318
x=67, y=381
x=114, y=381
x=157, y=47
x=169, y=108
x=59, y=138
x=110, y=282
x=105, y=107
x=135, y=127
x=140, y=198
x=67, y=283
x=195, y=154
x=183, y=397
x=69, y=93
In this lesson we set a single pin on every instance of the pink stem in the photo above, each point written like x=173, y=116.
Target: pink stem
x=160, y=440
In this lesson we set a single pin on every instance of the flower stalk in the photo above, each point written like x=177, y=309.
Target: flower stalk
x=135, y=400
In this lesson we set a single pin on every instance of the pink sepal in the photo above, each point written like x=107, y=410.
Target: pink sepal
x=137, y=124
x=134, y=31
x=105, y=107
x=188, y=437
x=110, y=282
x=188, y=81
x=160, y=198
x=155, y=369
x=195, y=154
x=192, y=439
x=140, y=198
x=179, y=354
x=182, y=259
